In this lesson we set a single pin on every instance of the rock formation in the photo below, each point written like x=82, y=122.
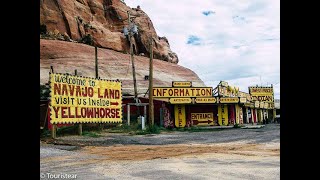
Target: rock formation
x=103, y=21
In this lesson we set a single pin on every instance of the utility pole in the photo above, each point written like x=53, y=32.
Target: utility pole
x=96, y=62
x=132, y=59
x=151, y=114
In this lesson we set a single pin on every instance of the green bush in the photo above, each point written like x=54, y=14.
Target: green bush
x=43, y=29
x=153, y=129
x=236, y=126
x=90, y=134
x=87, y=39
x=44, y=92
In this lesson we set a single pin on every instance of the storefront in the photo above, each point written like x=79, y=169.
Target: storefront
x=263, y=96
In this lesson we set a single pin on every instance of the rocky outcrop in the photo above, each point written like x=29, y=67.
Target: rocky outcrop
x=65, y=57
x=104, y=20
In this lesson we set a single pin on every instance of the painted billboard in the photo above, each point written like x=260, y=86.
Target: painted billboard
x=264, y=94
x=76, y=99
x=202, y=119
x=164, y=92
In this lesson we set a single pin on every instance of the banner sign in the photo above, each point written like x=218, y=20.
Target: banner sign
x=181, y=83
x=206, y=100
x=76, y=99
x=202, y=118
x=229, y=100
x=264, y=94
x=180, y=100
x=164, y=92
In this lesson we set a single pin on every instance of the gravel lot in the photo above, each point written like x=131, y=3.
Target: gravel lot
x=223, y=154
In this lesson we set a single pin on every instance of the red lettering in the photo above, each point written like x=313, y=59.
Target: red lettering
x=84, y=91
x=63, y=113
x=181, y=92
x=96, y=112
x=203, y=92
x=117, y=113
x=187, y=92
x=176, y=91
x=64, y=89
x=111, y=94
x=164, y=92
x=78, y=91
x=99, y=96
x=56, y=109
x=69, y=112
x=113, y=113
x=89, y=112
x=83, y=112
x=117, y=94
x=90, y=91
x=102, y=113
x=209, y=92
x=77, y=115
x=192, y=92
x=71, y=89
x=159, y=92
x=108, y=113
x=57, y=89
x=198, y=92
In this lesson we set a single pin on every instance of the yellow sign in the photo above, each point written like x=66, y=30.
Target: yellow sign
x=228, y=100
x=261, y=105
x=256, y=104
x=240, y=116
x=180, y=115
x=264, y=94
x=266, y=105
x=237, y=113
x=77, y=99
x=182, y=92
x=202, y=119
x=206, y=100
x=223, y=115
x=180, y=100
x=181, y=83
x=243, y=100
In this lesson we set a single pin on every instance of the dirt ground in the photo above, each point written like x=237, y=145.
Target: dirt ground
x=246, y=157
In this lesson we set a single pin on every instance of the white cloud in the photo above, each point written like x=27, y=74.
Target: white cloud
x=239, y=42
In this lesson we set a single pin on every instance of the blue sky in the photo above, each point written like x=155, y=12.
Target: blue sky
x=233, y=40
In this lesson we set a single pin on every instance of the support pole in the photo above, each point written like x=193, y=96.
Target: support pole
x=80, y=124
x=96, y=61
x=128, y=114
x=151, y=109
x=145, y=112
x=54, y=131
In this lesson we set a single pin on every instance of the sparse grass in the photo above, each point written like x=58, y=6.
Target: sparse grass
x=90, y=134
x=67, y=130
x=45, y=133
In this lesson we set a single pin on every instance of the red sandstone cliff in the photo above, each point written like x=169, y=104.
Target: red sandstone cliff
x=104, y=20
